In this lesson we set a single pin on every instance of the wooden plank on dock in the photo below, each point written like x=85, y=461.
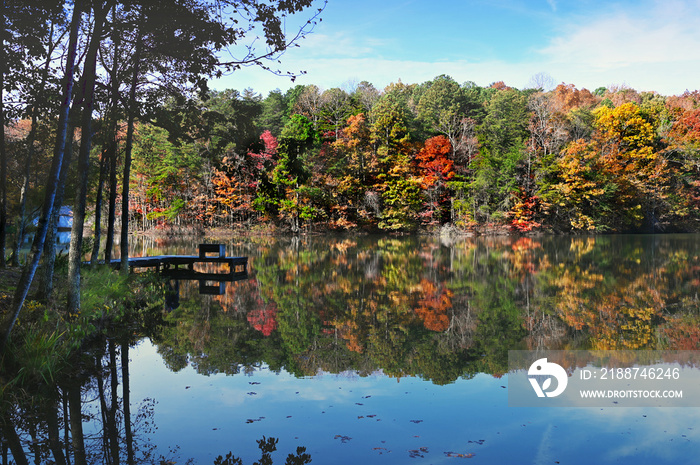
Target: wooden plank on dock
x=169, y=263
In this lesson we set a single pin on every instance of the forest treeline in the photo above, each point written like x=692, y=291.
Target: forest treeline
x=422, y=155
x=418, y=155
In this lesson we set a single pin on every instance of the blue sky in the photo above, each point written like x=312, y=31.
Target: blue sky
x=646, y=45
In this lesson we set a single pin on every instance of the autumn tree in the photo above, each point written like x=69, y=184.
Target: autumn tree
x=396, y=181
x=435, y=170
x=309, y=103
x=237, y=180
x=366, y=95
x=354, y=173
x=284, y=193
x=503, y=135
x=443, y=107
x=335, y=110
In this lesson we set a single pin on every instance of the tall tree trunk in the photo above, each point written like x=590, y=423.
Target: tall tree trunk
x=49, y=257
x=79, y=207
x=106, y=434
x=66, y=424
x=76, y=425
x=51, y=185
x=53, y=429
x=126, y=400
x=3, y=152
x=98, y=208
x=114, y=143
x=114, y=403
x=127, y=158
x=34, y=445
x=3, y=446
x=112, y=208
x=13, y=440
x=31, y=138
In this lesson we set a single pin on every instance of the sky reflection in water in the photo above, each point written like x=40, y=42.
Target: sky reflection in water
x=345, y=418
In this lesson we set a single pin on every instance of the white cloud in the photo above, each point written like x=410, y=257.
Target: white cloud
x=339, y=45
x=655, y=47
x=328, y=73
x=650, y=46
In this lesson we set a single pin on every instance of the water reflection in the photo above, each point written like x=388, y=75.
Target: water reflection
x=438, y=309
x=388, y=348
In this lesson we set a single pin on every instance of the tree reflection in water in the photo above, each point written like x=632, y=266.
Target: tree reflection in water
x=438, y=309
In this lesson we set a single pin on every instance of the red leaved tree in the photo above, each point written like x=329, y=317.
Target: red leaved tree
x=435, y=169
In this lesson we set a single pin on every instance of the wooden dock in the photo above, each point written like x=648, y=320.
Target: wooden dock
x=182, y=265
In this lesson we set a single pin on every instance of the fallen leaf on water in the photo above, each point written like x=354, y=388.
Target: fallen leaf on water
x=414, y=453
x=458, y=455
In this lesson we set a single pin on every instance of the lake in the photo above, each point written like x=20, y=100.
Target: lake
x=394, y=349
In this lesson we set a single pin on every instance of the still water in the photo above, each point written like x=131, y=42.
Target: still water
x=381, y=349
x=394, y=349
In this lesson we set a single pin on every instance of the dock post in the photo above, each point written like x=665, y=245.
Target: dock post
x=219, y=249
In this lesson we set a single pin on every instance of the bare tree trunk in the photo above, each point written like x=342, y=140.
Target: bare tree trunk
x=13, y=440
x=103, y=408
x=3, y=446
x=111, y=215
x=31, y=138
x=113, y=147
x=76, y=425
x=127, y=158
x=51, y=186
x=53, y=429
x=34, y=444
x=98, y=208
x=3, y=152
x=126, y=399
x=114, y=403
x=49, y=257
x=76, y=242
x=66, y=424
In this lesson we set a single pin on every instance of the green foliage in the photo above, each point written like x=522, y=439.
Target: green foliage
x=516, y=160
x=40, y=357
x=274, y=115
x=402, y=201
